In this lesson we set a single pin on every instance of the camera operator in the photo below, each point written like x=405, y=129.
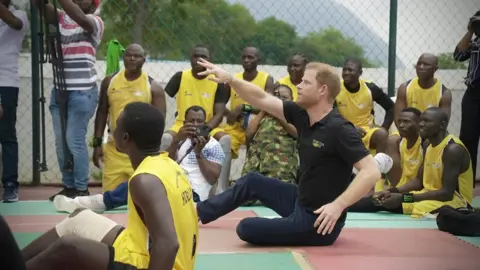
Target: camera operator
x=199, y=154
x=469, y=49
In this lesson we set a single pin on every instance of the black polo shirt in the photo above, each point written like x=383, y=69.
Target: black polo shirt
x=327, y=151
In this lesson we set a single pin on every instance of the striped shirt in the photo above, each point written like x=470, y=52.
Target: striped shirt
x=79, y=50
x=472, y=53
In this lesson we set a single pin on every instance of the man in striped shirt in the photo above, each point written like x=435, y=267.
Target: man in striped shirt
x=81, y=33
x=469, y=49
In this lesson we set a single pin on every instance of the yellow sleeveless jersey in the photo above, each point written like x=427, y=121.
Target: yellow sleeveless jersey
x=423, y=99
x=260, y=80
x=357, y=107
x=195, y=92
x=411, y=159
x=433, y=170
x=122, y=92
x=286, y=80
x=132, y=245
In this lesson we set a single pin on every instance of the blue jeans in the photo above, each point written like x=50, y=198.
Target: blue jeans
x=80, y=109
x=118, y=197
x=295, y=227
x=8, y=136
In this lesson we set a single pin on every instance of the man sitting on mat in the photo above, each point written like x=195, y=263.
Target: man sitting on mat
x=407, y=156
x=202, y=164
x=162, y=224
x=445, y=178
x=314, y=212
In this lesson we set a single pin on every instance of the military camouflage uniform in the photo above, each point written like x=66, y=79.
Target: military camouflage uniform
x=272, y=152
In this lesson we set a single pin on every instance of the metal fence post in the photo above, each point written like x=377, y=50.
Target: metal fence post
x=392, y=47
x=35, y=54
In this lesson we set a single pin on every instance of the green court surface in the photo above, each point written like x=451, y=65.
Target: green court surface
x=246, y=259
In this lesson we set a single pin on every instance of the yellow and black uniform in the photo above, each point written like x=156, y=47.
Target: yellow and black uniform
x=433, y=179
x=422, y=99
x=356, y=105
x=189, y=91
x=132, y=245
x=237, y=130
x=411, y=159
x=117, y=167
x=288, y=82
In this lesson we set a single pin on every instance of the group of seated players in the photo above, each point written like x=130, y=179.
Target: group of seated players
x=431, y=167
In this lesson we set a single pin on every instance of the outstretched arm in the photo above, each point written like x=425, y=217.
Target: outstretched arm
x=77, y=14
x=248, y=91
x=149, y=195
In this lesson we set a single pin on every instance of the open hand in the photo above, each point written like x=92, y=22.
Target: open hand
x=328, y=216
x=220, y=75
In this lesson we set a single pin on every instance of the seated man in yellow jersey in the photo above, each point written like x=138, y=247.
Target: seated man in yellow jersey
x=445, y=178
x=356, y=104
x=191, y=89
x=407, y=157
x=162, y=226
x=117, y=90
x=241, y=113
x=296, y=68
x=425, y=90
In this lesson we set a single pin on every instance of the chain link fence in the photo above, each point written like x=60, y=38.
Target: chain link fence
x=327, y=31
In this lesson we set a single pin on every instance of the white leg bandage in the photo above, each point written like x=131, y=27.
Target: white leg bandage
x=86, y=224
x=384, y=163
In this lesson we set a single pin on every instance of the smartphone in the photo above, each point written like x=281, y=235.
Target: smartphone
x=202, y=131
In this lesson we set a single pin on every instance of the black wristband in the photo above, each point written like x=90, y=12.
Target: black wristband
x=97, y=141
x=393, y=190
x=247, y=108
x=408, y=198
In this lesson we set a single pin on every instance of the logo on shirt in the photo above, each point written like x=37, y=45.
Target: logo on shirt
x=317, y=144
x=205, y=95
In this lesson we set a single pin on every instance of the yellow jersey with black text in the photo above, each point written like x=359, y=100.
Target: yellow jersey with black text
x=422, y=99
x=411, y=160
x=357, y=107
x=132, y=245
x=433, y=170
x=260, y=80
x=194, y=92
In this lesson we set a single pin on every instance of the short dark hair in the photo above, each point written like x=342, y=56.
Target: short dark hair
x=355, y=61
x=196, y=108
x=7, y=3
x=279, y=85
x=413, y=110
x=144, y=124
x=299, y=54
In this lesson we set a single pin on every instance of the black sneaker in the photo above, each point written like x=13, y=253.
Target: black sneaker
x=80, y=193
x=10, y=193
x=68, y=192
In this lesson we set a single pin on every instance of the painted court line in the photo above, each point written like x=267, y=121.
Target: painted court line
x=301, y=260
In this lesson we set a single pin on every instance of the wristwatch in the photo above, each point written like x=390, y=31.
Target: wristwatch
x=97, y=142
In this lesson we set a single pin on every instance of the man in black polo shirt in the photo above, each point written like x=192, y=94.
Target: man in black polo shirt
x=329, y=147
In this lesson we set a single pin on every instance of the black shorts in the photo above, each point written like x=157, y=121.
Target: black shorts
x=112, y=264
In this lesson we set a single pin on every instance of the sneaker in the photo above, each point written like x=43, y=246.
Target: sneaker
x=10, y=193
x=80, y=193
x=69, y=192
x=93, y=202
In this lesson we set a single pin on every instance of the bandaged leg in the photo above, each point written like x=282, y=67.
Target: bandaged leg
x=384, y=163
x=224, y=179
x=87, y=224
x=167, y=139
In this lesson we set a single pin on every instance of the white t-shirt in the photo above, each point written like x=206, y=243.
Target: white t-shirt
x=10, y=45
x=212, y=152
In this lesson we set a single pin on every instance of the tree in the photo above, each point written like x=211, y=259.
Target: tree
x=332, y=47
x=446, y=61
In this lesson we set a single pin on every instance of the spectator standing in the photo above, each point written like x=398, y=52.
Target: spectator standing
x=13, y=28
x=81, y=33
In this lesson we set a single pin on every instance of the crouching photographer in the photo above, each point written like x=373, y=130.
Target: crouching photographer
x=200, y=155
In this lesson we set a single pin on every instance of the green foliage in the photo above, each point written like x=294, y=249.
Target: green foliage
x=446, y=61
x=169, y=29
